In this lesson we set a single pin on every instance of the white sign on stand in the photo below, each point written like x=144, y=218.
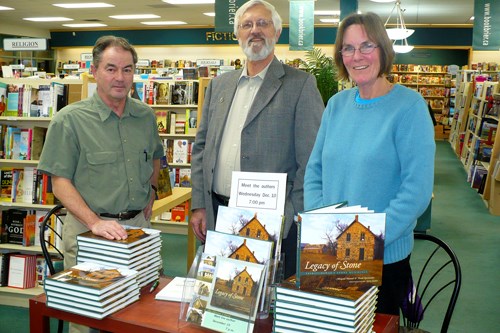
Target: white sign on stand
x=258, y=191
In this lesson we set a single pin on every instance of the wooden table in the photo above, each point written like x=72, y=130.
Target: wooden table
x=151, y=316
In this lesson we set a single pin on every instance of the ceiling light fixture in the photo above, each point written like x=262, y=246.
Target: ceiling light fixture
x=85, y=25
x=6, y=8
x=401, y=46
x=211, y=14
x=329, y=20
x=134, y=16
x=47, y=19
x=327, y=12
x=188, y=2
x=400, y=32
x=163, y=22
x=83, y=5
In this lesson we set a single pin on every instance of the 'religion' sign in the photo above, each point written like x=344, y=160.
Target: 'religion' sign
x=25, y=44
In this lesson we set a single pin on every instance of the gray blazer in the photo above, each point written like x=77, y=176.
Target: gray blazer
x=278, y=135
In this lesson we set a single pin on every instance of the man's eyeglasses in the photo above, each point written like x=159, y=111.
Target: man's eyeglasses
x=248, y=25
x=364, y=48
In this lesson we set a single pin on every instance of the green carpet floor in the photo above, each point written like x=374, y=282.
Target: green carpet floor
x=459, y=217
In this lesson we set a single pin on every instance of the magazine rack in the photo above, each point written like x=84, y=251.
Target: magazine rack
x=198, y=300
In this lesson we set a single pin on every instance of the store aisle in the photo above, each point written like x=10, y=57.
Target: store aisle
x=460, y=217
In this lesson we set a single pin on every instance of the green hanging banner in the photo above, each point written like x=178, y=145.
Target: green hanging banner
x=486, y=35
x=301, y=31
x=225, y=11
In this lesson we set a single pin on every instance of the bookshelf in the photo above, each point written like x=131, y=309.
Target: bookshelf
x=20, y=297
x=431, y=81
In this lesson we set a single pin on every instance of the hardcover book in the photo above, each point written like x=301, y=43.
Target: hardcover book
x=135, y=237
x=91, y=278
x=344, y=250
x=174, y=290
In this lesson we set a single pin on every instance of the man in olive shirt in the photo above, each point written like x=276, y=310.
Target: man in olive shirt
x=103, y=152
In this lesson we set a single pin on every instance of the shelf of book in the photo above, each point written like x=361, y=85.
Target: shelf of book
x=23, y=249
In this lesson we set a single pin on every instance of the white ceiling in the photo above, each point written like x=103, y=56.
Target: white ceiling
x=419, y=12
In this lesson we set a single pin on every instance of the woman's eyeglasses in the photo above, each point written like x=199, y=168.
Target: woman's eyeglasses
x=364, y=48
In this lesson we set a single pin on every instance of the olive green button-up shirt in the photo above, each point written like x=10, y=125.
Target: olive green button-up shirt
x=108, y=159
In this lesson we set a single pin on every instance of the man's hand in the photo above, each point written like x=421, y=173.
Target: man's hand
x=109, y=229
x=198, y=222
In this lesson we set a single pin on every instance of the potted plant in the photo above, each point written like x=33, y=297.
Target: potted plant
x=323, y=68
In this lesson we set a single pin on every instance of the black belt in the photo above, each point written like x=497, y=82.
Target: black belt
x=123, y=215
x=222, y=199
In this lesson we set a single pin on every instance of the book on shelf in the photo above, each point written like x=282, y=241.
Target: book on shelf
x=340, y=249
x=161, y=121
x=174, y=290
x=191, y=121
x=184, y=177
x=164, y=184
x=179, y=213
x=6, y=184
x=37, y=141
x=162, y=90
x=22, y=271
x=42, y=269
x=180, y=151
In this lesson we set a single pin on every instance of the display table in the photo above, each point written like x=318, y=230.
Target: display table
x=151, y=316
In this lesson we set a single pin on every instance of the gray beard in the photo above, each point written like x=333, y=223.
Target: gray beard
x=256, y=56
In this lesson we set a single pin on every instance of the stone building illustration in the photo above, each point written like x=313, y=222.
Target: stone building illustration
x=315, y=248
x=243, y=253
x=254, y=229
x=243, y=283
x=356, y=242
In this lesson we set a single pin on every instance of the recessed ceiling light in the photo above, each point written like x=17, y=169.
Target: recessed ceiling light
x=135, y=16
x=163, y=22
x=188, y=2
x=85, y=25
x=330, y=20
x=47, y=19
x=326, y=12
x=382, y=0
x=6, y=8
x=209, y=14
x=83, y=5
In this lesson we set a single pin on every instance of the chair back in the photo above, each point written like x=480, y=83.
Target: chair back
x=55, y=242
x=437, y=280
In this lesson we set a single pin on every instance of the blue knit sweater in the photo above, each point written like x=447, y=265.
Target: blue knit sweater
x=378, y=154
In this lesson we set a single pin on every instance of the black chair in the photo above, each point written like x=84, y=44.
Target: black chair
x=438, y=283
x=46, y=243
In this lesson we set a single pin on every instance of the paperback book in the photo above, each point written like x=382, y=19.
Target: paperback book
x=227, y=298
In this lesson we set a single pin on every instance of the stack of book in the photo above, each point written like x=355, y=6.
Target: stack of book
x=339, y=268
x=323, y=310
x=140, y=252
x=92, y=290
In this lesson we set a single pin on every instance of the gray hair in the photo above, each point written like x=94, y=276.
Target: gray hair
x=277, y=22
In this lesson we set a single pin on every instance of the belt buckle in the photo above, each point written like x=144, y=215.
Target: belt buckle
x=120, y=216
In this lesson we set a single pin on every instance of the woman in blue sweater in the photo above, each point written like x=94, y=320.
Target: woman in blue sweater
x=375, y=148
